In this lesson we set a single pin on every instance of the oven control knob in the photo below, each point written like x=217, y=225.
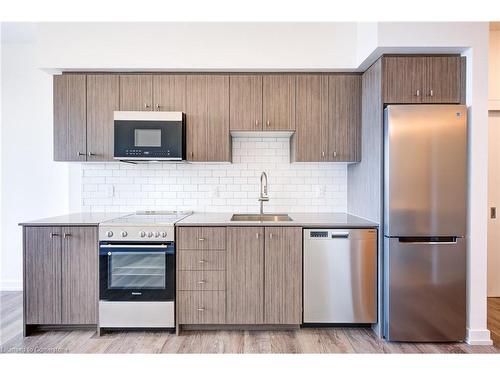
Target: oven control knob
x=157, y=234
x=142, y=233
x=164, y=234
x=109, y=233
x=150, y=234
x=124, y=233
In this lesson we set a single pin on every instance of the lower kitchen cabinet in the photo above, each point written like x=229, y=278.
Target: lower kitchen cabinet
x=60, y=275
x=255, y=280
x=245, y=275
x=283, y=275
x=264, y=275
x=206, y=307
x=42, y=275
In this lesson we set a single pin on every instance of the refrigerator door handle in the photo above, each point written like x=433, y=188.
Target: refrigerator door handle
x=428, y=240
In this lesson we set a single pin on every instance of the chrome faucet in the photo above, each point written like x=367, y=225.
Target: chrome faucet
x=263, y=191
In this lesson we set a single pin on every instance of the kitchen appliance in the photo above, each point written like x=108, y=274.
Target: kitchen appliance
x=149, y=136
x=340, y=276
x=425, y=180
x=137, y=270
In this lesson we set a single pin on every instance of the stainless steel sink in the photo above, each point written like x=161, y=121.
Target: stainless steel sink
x=261, y=217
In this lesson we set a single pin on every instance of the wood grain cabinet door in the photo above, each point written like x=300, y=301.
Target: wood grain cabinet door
x=278, y=102
x=103, y=98
x=207, y=118
x=245, y=102
x=196, y=117
x=344, y=122
x=70, y=123
x=218, y=141
x=283, y=275
x=442, y=79
x=403, y=78
x=136, y=92
x=245, y=275
x=79, y=275
x=169, y=92
x=310, y=141
x=42, y=275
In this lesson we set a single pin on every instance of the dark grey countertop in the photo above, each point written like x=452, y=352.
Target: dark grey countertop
x=310, y=220
x=75, y=219
x=317, y=220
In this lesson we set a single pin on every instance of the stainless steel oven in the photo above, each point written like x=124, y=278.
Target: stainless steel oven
x=136, y=271
x=146, y=136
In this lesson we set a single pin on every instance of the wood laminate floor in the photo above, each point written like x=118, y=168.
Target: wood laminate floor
x=306, y=340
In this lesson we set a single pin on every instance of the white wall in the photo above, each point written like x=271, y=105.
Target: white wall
x=32, y=184
x=197, y=46
x=494, y=167
x=219, y=187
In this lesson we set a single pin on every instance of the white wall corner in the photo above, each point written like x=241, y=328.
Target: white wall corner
x=11, y=286
x=478, y=337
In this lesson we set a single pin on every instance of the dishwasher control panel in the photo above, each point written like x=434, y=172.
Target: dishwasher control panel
x=319, y=234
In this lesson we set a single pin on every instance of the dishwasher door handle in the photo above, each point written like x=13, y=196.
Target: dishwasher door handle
x=340, y=235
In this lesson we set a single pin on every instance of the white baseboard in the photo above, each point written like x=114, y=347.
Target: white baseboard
x=11, y=285
x=478, y=337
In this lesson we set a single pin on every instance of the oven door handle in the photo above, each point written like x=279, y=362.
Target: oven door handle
x=108, y=246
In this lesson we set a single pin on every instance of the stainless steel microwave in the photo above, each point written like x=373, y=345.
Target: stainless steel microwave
x=149, y=136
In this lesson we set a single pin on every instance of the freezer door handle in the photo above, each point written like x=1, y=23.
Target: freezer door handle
x=448, y=240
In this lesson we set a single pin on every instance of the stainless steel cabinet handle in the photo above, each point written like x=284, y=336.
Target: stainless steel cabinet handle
x=270, y=235
x=268, y=123
x=201, y=282
x=66, y=235
x=431, y=92
x=334, y=154
x=80, y=154
x=91, y=154
x=201, y=239
x=158, y=107
x=146, y=106
x=200, y=309
x=322, y=154
x=417, y=93
x=202, y=261
x=52, y=235
x=256, y=235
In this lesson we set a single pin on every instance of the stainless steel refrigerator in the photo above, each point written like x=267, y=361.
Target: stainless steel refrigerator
x=425, y=205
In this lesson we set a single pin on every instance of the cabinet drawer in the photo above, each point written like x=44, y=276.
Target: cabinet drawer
x=202, y=280
x=199, y=260
x=201, y=238
x=201, y=307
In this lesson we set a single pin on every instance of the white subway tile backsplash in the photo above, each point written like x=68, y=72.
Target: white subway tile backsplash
x=222, y=187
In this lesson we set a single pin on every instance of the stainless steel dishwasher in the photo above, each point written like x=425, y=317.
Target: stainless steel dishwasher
x=340, y=276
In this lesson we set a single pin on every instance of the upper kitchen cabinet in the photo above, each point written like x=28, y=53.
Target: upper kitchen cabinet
x=169, y=92
x=310, y=141
x=103, y=98
x=245, y=103
x=344, y=118
x=328, y=118
x=207, y=118
x=422, y=79
x=136, y=92
x=278, y=97
x=70, y=123
x=442, y=80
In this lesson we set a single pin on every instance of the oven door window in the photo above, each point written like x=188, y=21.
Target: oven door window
x=136, y=270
